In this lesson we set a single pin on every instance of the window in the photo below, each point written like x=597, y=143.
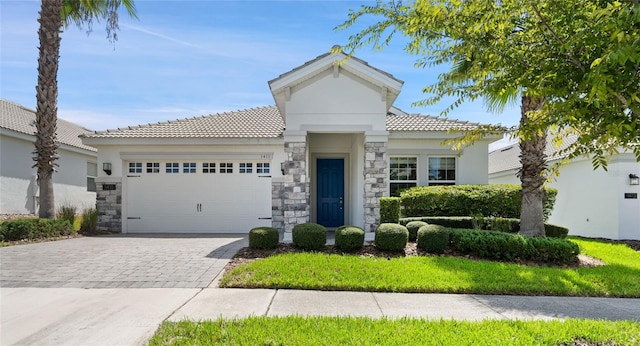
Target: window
x=226, y=167
x=402, y=174
x=209, y=167
x=172, y=167
x=246, y=167
x=153, y=167
x=263, y=167
x=135, y=167
x=188, y=167
x=92, y=173
x=442, y=171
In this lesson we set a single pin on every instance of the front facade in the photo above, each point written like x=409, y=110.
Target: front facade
x=591, y=203
x=332, y=145
x=74, y=179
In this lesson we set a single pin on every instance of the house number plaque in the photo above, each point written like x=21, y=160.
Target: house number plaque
x=108, y=186
x=631, y=196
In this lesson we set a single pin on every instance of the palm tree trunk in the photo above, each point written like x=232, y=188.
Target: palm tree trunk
x=46, y=102
x=533, y=160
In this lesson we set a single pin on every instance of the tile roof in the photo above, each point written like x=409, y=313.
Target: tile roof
x=261, y=122
x=21, y=119
x=419, y=122
x=508, y=158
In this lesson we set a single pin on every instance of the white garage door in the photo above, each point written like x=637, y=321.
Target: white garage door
x=197, y=196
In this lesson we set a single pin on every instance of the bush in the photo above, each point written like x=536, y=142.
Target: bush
x=510, y=247
x=391, y=237
x=67, y=212
x=349, y=238
x=21, y=229
x=489, y=223
x=309, y=236
x=389, y=209
x=433, y=238
x=489, y=200
x=89, y=224
x=413, y=228
x=263, y=238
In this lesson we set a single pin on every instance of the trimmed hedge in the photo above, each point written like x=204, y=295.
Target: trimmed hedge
x=309, y=236
x=489, y=200
x=389, y=209
x=391, y=237
x=509, y=247
x=264, y=238
x=349, y=238
x=490, y=223
x=433, y=238
x=413, y=228
x=21, y=229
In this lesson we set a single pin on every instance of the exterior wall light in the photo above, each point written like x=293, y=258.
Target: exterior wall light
x=282, y=167
x=106, y=167
x=634, y=179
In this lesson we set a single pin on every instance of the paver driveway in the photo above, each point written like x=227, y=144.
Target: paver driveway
x=123, y=261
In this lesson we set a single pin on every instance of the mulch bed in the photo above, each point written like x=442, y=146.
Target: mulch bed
x=246, y=255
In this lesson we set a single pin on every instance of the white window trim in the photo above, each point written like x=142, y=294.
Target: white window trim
x=416, y=181
x=436, y=182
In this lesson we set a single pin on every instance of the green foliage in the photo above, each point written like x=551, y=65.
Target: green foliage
x=389, y=209
x=462, y=200
x=309, y=236
x=391, y=237
x=555, y=231
x=433, y=238
x=67, y=212
x=21, y=229
x=89, y=224
x=413, y=227
x=509, y=247
x=489, y=223
x=349, y=238
x=347, y=331
x=580, y=56
x=263, y=238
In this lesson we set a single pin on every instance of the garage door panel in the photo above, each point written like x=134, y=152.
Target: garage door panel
x=197, y=203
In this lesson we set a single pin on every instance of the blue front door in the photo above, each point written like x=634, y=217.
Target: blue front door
x=330, y=175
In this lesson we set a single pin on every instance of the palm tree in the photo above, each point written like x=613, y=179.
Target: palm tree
x=54, y=15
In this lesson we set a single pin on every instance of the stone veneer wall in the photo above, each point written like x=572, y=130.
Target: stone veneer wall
x=296, y=185
x=109, y=204
x=277, y=203
x=375, y=182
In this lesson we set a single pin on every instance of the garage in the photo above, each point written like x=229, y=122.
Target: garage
x=196, y=196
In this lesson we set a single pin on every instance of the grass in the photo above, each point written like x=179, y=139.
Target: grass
x=317, y=271
x=296, y=330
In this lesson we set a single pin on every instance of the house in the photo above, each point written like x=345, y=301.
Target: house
x=591, y=203
x=329, y=148
x=74, y=179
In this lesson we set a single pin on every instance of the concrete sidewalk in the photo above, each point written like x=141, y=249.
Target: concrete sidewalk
x=213, y=303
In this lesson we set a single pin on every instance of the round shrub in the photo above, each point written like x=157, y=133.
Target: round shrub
x=413, y=228
x=391, y=237
x=349, y=238
x=309, y=236
x=264, y=238
x=433, y=238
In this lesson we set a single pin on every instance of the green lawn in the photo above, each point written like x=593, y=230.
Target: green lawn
x=618, y=278
x=296, y=330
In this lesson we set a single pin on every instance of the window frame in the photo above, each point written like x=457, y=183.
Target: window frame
x=396, y=182
x=172, y=167
x=91, y=177
x=442, y=182
x=135, y=167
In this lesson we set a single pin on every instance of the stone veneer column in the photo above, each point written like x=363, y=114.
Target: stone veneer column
x=277, y=205
x=375, y=182
x=296, y=185
x=109, y=204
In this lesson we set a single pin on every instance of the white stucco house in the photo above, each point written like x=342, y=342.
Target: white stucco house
x=591, y=203
x=329, y=148
x=74, y=180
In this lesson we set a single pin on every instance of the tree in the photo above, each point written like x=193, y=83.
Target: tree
x=548, y=53
x=54, y=15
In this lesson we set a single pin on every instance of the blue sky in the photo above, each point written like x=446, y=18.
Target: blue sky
x=190, y=58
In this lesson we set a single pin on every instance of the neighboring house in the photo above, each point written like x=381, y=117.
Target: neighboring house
x=326, y=152
x=74, y=179
x=592, y=203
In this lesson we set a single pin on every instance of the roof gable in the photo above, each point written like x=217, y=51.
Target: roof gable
x=21, y=119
